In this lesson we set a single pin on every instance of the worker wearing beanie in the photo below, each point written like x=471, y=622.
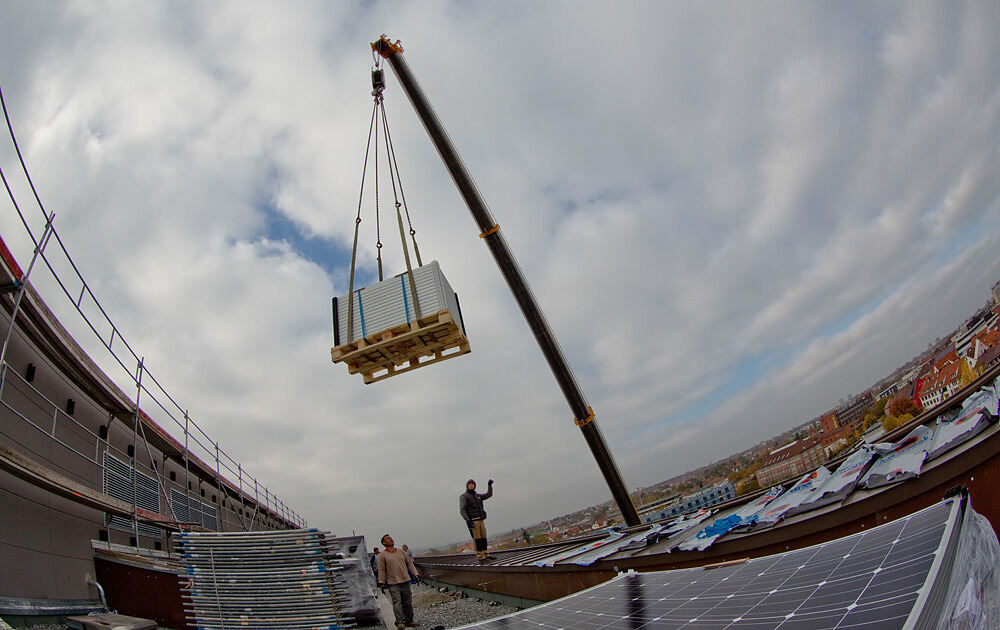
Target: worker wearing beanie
x=470, y=506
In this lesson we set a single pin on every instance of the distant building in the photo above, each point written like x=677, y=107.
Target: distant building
x=990, y=357
x=828, y=422
x=983, y=341
x=972, y=327
x=900, y=385
x=831, y=440
x=704, y=498
x=836, y=425
x=944, y=380
x=853, y=412
x=889, y=391
x=790, y=460
x=996, y=293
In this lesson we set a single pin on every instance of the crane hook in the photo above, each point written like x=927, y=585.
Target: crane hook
x=378, y=81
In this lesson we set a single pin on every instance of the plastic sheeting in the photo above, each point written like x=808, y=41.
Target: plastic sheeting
x=588, y=558
x=802, y=491
x=901, y=460
x=948, y=435
x=682, y=523
x=574, y=551
x=357, y=576
x=839, y=484
x=973, y=598
x=721, y=526
x=985, y=397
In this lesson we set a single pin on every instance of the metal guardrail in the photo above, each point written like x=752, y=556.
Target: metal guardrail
x=194, y=440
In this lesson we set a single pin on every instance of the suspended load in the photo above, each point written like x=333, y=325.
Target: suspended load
x=407, y=321
x=398, y=325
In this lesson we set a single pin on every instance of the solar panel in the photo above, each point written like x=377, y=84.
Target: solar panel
x=881, y=578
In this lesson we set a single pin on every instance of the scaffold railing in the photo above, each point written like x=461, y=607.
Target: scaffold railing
x=162, y=408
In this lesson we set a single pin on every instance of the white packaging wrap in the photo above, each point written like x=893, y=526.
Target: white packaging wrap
x=901, y=460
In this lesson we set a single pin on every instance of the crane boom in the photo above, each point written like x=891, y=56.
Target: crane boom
x=490, y=232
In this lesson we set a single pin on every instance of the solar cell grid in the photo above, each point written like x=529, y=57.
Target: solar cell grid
x=871, y=579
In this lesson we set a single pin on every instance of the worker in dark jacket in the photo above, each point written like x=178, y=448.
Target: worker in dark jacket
x=470, y=506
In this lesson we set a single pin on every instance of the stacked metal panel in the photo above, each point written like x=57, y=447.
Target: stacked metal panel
x=398, y=325
x=270, y=579
x=390, y=303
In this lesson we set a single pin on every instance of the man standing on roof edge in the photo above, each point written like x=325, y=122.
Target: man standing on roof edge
x=470, y=506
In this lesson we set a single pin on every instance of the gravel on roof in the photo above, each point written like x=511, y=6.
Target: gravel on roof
x=433, y=609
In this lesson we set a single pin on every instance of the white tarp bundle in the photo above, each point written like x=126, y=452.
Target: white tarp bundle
x=549, y=561
x=839, y=484
x=721, y=526
x=985, y=397
x=804, y=489
x=588, y=558
x=948, y=435
x=901, y=460
x=684, y=522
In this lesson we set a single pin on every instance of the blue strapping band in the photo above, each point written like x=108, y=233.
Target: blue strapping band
x=406, y=307
x=361, y=312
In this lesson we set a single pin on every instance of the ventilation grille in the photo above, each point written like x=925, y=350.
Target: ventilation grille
x=118, y=484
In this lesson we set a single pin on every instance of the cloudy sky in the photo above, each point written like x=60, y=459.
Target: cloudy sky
x=734, y=216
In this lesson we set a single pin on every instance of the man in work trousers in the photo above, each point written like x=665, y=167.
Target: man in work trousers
x=394, y=568
x=470, y=506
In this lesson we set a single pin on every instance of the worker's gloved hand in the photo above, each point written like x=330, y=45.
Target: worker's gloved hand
x=384, y=586
x=469, y=524
x=490, y=482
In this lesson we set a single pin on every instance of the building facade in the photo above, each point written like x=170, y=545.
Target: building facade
x=701, y=499
x=790, y=461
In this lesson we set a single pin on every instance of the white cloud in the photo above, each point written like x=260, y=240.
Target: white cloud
x=731, y=219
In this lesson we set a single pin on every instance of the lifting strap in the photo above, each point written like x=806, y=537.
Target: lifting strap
x=393, y=176
x=357, y=225
x=379, y=118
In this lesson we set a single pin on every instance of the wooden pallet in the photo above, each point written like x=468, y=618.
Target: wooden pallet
x=431, y=339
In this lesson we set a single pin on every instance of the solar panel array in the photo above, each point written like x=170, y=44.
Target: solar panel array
x=879, y=578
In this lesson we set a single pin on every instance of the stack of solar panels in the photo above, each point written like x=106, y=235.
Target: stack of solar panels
x=271, y=579
x=936, y=568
